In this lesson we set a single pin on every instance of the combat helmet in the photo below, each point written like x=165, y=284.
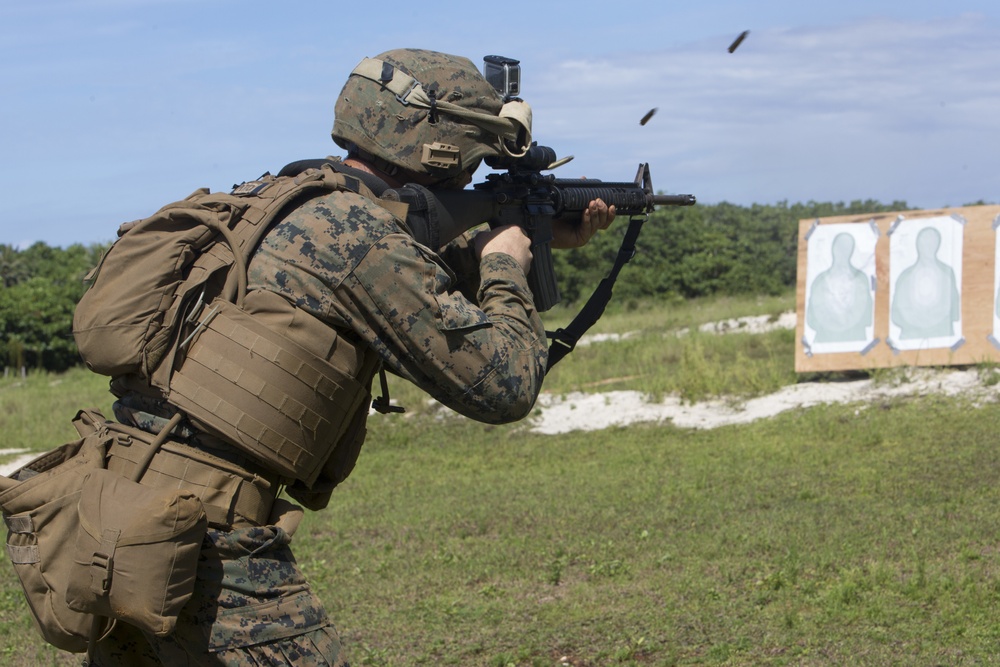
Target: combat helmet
x=428, y=113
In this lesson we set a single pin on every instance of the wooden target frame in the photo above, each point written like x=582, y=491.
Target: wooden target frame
x=879, y=290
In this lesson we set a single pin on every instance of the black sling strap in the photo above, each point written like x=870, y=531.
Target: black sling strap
x=564, y=340
x=373, y=182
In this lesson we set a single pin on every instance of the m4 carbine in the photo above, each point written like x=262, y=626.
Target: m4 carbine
x=525, y=197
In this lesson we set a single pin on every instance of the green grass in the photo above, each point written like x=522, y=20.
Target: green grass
x=816, y=538
x=666, y=354
x=840, y=535
x=694, y=366
x=36, y=411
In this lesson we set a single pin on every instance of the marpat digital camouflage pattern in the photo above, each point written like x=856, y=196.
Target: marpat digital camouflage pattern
x=353, y=265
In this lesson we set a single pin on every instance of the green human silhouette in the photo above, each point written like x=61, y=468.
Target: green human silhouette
x=926, y=303
x=840, y=301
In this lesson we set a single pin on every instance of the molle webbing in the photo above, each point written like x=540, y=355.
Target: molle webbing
x=264, y=393
x=258, y=204
x=232, y=494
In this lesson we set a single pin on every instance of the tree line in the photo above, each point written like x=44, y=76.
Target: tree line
x=40, y=288
x=688, y=252
x=682, y=253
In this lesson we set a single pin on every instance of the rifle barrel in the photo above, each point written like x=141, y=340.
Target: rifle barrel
x=627, y=198
x=673, y=200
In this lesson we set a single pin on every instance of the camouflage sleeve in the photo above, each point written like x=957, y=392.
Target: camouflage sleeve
x=485, y=360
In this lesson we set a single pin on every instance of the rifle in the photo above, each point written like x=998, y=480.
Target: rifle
x=524, y=196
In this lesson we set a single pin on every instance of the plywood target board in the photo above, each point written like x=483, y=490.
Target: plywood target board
x=911, y=288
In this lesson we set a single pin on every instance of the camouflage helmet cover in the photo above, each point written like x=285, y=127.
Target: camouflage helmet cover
x=427, y=113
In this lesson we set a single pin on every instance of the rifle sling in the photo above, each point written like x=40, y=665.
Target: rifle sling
x=564, y=340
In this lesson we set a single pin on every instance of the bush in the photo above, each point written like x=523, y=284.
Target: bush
x=41, y=288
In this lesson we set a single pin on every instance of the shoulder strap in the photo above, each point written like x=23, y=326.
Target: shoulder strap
x=374, y=183
x=241, y=218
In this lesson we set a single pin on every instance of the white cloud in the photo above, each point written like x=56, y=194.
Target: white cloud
x=873, y=108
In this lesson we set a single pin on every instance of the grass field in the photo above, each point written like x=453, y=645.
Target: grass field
x=839, y=535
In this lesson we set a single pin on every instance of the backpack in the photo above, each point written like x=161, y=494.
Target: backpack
x=163, y=269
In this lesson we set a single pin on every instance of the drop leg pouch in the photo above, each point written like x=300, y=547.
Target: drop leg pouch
x=136, y=551
x=39, y=504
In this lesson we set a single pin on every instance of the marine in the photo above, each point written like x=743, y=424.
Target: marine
x=262, y=396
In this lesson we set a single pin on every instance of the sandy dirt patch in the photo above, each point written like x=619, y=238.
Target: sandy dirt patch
x=582, y=411
x=15, y=463
x=579, y=411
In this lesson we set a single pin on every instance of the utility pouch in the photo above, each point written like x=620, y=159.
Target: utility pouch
x=136, y=551
x=39, y=508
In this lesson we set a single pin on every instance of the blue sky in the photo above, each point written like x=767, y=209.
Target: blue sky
x=112, y=108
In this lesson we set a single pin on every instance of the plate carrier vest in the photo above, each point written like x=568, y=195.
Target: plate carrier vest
x=165, y=316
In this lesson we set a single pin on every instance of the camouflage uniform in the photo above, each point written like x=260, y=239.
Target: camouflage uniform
x=348, y=262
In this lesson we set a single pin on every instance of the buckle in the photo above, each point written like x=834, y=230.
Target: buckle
x=562, y=337
x=401, y=98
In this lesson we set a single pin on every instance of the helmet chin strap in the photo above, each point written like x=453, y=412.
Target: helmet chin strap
x=386, y=167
